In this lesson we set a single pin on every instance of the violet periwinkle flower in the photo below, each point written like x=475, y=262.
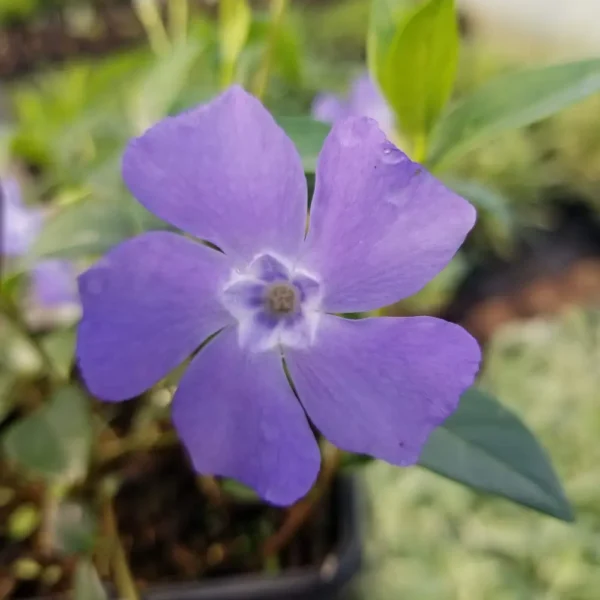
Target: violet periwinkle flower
x=53, y=283
x=380, y=228
x=364, y=100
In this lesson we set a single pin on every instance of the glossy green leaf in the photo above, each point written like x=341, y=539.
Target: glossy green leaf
x=161, y=86
x=512, y=101
x=54, y=442
x=86, y=582
x=235, y=18
x=308, y=135
x=485, y=446
x=386, y=19
x=421, y=66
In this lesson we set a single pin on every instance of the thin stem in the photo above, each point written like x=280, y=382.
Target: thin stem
x=178, y=19
x=303, y=509
x=149, y=15
x=13, y=316
x=50, y=502
x=113, y=449
x=278, y=8
x=124, y=582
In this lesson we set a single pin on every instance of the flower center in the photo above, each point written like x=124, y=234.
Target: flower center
x=281, y=299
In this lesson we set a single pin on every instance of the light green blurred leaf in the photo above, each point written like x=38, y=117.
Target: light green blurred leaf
x=60, y=346
x=239, y=492
x=160, y=88
x=74, y=528
x=86, y=582
x=92, y=227
x=54, y=442
x=420, y=68
x=308, y=135
x=512, y=101
x=386, y=19
x=235, y=18
x=485, y=446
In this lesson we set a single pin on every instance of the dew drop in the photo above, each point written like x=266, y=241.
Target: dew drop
x=392, y=156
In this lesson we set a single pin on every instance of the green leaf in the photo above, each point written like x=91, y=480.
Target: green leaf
x=91, y=227
x=235, y=18
x=512, y=101
x=60, y=346
x=86, y=582
x=54, y=442
x=386, y=18
x=308, y=135
x=162, y=85
x=420, y=68
x=74, y=528
x=485, y=446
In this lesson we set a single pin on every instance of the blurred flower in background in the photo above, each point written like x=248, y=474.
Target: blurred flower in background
x=364, y=100
x=53, y=293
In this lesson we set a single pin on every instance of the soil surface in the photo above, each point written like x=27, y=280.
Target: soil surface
x=172, y=531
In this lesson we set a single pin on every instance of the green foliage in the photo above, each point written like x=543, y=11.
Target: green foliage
x=162, y=85
x=387, y=18
x=512, y=101
x=74, y=528
x=235, y=18
x=55, y=441
x=485, y=446
x=86, y=582
x=91, y=227
x=308, y=135
x=418, y=74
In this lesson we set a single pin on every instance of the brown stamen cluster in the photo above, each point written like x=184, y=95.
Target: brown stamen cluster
x=281, y=299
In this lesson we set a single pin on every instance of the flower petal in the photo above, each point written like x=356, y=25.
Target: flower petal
x=224, y=172
x=238, y=417
x=147, y=305
x=329, y=108
x=54, y=283
x=380, y=386
x=381, y=226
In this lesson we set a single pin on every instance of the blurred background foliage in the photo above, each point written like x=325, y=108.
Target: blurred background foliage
x=80, y=77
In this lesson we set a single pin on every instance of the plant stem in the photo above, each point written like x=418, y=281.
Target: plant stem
x=116, y=448
x=12, y=314
x=278, y=8
x=123, y=578
x=302, y=510
x=50, y=501
x=178, y=19
x=149, y=15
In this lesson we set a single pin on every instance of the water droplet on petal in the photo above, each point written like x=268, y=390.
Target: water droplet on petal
x=392, y=156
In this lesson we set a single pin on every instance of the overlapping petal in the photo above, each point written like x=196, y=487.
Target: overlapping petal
x=238, y=417
x=381, y=226
x=380, y=386
x=224, y=172
x=147, y=305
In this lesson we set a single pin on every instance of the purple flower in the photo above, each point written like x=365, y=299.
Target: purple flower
x=53, y=281
x=364, y=100
x=380, y=228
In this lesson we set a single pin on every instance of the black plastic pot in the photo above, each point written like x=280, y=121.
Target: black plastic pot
x=324, y=582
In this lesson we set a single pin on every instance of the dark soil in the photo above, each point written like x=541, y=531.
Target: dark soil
x=172, y=531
